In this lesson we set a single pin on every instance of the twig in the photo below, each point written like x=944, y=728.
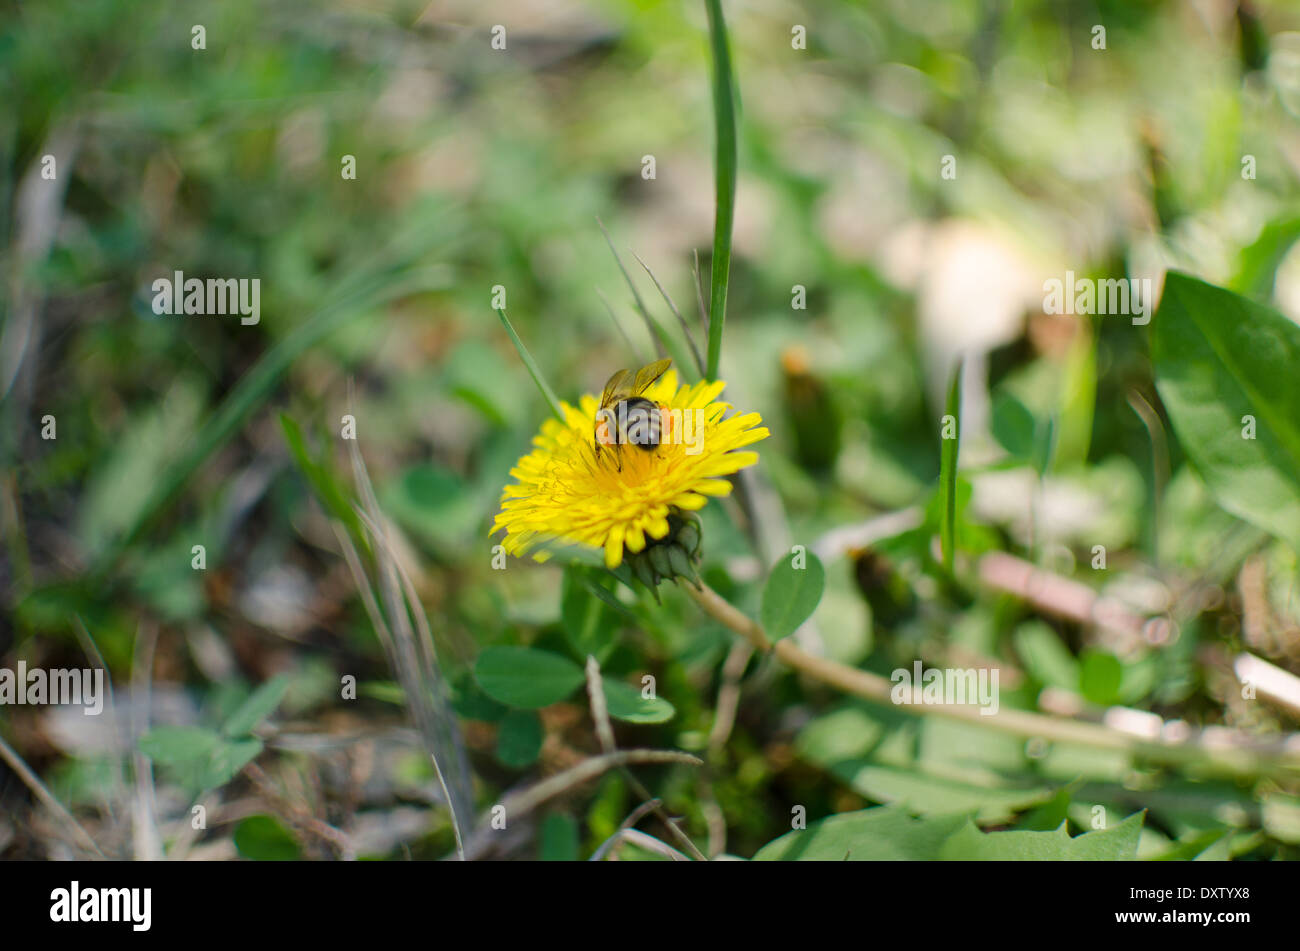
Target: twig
x=33, y=782
x=650, y=844
x=633, y=818
x=599, y=712
x=605, y=732
x=724, y=716
x=144, y=811
x=525, y=801
x=299, y=816
x=1057, y=595
x=1175, y=741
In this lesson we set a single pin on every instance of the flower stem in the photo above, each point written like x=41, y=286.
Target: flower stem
x=1231, y=751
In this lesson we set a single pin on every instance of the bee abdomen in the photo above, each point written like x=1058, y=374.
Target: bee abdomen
x=639, y=423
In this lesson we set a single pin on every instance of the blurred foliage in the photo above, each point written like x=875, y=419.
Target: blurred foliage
x=478, y=168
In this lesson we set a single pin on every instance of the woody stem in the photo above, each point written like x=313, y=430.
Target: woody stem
x=1231, y=751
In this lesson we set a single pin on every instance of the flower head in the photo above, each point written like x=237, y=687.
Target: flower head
x=621, y=497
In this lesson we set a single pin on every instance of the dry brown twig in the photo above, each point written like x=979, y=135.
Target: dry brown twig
x=1228, y=750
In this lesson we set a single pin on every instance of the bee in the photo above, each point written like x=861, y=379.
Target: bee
x=625, y=416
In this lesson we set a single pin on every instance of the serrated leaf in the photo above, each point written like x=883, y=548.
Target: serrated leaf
x=791, y=594
x=885, y=833
x=526, y=677
x=1108, y=845
x=1220, y=358
x=626, y=703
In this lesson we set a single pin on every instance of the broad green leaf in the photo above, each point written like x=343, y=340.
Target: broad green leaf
x=259, y=705
x=519, y=739
x=792, y=594
x=1112, y=845
x=525, y=677
x=626, y=703
x=948, y=469
x=264, y=839
x=1221, y=362
x=885, y=833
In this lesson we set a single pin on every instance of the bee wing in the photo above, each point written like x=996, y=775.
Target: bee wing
x=647, y=375
x=618, y=383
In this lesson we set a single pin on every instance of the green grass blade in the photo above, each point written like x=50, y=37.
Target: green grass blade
x=948, y=471
x=533, y=368
x=681, y=321
x=724, y=115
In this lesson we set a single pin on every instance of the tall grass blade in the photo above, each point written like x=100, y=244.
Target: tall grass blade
x=533, y=368
x=948, y=470
x=724, y=116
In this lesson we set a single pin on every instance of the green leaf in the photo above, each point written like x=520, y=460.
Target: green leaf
x=1100, y=677
x=519, y=739
x=1218, y=359
x=324, y=484
x=1258, y=263
x=199, y=759
x=948, y=470
x=791, y=594
x=525, y=677
x=264, y=839
x=1110, y=845
x=885, y=833
x=590, y=626
x=626, y=703
x=1045, y=656
x=1014, y=426
x=260, y=705
x=559, y=838
x=935, y=795
x=176, y=745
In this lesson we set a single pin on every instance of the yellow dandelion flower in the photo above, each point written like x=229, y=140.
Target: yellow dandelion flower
x=619, y=498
